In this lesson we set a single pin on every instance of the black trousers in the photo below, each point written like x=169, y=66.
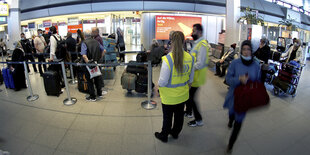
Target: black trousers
x=41, y=59
x=177, y=113
x=96, y=81
x=31, y=58
x=191, y=104
x=224, y=66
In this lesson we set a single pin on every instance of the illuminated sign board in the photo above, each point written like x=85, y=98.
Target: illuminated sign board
x=4, y=10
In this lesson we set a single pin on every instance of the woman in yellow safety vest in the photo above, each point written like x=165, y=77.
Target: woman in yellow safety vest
x=176, y=76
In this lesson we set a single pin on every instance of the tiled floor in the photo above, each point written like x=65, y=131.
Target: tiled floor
x=117, y=124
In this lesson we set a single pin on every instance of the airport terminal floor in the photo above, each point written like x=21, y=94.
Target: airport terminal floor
x=117, y=124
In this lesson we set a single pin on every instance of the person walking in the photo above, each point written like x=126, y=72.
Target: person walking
x=239, y=72
x=200, y=53
x=176, y=76
x=39, y=44
x=91, y=50
x=120, y=44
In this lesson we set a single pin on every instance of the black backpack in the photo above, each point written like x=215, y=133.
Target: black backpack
x=61, y=50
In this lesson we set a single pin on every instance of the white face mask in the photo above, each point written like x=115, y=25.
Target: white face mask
x=296, y=44
x=248, y=58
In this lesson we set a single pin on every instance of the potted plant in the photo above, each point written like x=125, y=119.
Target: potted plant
x=251, y=17
x=288, y=23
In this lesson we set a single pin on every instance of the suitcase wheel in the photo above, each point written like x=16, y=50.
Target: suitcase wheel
x=276, y=91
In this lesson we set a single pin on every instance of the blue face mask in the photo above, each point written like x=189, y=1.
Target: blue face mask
x=248, y=58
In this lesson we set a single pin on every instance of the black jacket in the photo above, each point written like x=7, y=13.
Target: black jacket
x=26, y=46
x=71, y=44
x=263, y=53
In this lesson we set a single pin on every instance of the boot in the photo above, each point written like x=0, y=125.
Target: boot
x=233, y=137
x=231, y=121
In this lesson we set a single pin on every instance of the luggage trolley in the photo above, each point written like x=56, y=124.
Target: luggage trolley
x=287, y=80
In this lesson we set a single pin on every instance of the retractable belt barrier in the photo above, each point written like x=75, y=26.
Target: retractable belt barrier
x=148, y=104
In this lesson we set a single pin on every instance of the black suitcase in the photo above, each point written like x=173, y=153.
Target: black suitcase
x=141, y=84
x=135, y=69
x=52, y=83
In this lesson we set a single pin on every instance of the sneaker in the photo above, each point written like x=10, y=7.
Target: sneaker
x=195, y=123
x=91, y=99
x=104, y=92
x=188, y=115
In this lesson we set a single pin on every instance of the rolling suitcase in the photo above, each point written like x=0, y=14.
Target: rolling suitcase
x=128, y=81
x=8, y=78
x=141, y=84
x=107, y=73
x=52, y=83
x=135, y=69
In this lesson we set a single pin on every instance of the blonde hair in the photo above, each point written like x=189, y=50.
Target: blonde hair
x=177, y=41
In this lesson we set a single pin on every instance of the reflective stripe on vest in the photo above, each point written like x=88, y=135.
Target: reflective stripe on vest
x=169, y=85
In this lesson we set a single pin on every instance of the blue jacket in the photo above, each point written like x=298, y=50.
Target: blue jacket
x=236, y=69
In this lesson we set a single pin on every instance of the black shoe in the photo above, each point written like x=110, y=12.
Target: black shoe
x=229, y=150
x=174, y=136
x=222, y=75
x=216, y=74
x=230, y=124
x=161, y=137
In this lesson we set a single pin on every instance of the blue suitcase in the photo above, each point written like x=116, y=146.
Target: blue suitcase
x=110, y=57
x=8, y=78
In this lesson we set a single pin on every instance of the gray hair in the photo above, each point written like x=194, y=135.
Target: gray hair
x=264, y=40
x=87, y=34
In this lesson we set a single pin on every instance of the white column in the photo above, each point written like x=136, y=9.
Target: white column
x=232, y=27
x=13, y=23
x=147, y=29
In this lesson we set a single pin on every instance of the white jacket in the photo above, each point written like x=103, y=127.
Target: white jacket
x=299, y=54
x=53, y=46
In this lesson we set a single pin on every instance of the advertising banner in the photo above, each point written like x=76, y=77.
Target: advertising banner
x=165, y=24
x=74, y=28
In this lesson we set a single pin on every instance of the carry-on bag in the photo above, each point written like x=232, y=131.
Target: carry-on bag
x=52, y=83
x=135, y=69
x=82, y=82
x=8, y=78
x=108, y=73
x=283, y=85
x=128, y=81
x=141, y=84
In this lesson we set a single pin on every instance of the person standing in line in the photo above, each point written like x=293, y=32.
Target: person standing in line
x=18, y=70
x=239, y=72
x=71, y=46
x=175, y=79
x=200, y=52
x=28, y=51
x=92, y=50
x=96, y=36
x=39, y=44
x=121, y=44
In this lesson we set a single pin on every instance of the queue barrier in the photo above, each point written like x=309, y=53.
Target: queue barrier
x=148, y=104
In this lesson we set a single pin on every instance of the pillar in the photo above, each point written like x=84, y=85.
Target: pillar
x=232, y=27
x=14, y=29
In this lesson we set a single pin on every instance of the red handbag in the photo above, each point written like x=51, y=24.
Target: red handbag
x=249, y=96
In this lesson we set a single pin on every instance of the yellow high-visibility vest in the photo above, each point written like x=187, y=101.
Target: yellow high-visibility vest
x=177, y=89
x=200, y=75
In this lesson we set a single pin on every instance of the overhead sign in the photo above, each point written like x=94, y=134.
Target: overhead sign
x=47, y=23
x=4, y=10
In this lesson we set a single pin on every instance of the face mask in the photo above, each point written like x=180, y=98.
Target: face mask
x=195, y=36
x=295, y=44
x=248, y=58
x=23, y=38
x=40, y=34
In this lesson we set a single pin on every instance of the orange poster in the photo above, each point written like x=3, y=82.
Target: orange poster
x=165, y=24
x=74, y=28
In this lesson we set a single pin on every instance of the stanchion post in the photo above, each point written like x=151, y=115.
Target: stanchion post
x=72, y=81
x=32, y=96
x=70, y=100
x=149, y=104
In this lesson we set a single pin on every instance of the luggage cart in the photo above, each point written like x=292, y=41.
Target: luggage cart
x=286, y=82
